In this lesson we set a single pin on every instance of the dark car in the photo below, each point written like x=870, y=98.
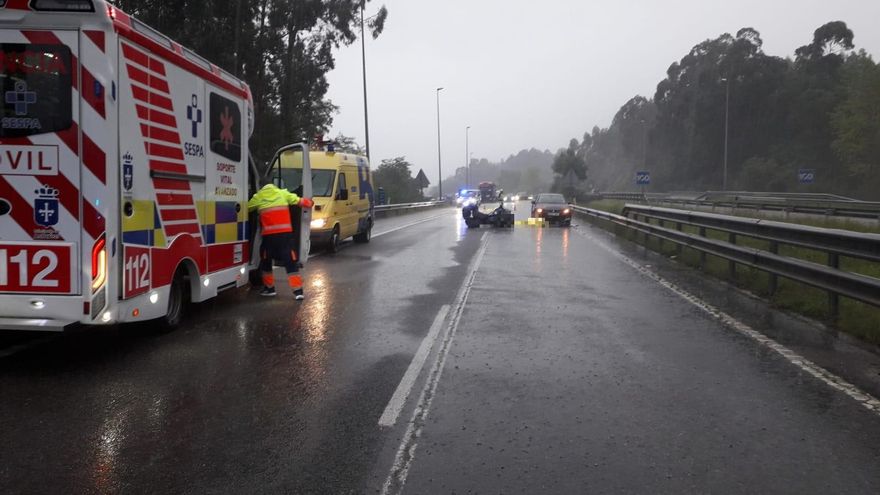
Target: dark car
x=553, y=208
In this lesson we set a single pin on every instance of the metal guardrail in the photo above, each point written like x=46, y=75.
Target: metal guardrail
x=829, y=278
x=815, y=204
x=840, y=242
x=407, y=206
x=708, y=195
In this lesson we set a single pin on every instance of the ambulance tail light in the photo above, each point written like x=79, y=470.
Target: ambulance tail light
x=63, y=5
x=99, y=263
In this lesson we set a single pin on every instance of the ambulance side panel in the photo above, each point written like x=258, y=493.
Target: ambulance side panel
x=162, y=188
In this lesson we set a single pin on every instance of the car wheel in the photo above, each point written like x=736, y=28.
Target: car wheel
x=365, y=236
x=176, y=303
x=333, y=244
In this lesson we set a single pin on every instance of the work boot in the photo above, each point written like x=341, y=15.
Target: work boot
x=268, y=292
x=298, y=294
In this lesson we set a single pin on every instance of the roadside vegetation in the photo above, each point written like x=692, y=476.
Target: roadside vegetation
x=855, y=318
x=283, y=49
x=815, y=109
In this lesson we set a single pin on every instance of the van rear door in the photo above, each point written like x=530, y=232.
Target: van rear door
x=40, y=200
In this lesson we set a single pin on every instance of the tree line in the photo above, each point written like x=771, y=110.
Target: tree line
x=282, y=48
x=817, y=110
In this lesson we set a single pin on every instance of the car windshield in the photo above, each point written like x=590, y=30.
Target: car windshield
x=551, y=199
x=322, y=181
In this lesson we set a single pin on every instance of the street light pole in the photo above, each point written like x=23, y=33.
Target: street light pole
x=364, y=64
x=726, y=130
x=467, y=158
x=439, y=156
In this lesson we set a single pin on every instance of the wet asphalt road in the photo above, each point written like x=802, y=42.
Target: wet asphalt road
x=563, y=371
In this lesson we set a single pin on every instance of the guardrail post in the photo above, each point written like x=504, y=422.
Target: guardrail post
x=833, y=298
x=774, y=280
x=679, y=248
x=702, y=253
x=731, y=265
x=662, y=226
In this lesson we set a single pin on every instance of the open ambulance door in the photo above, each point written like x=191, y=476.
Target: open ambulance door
x=296, y=179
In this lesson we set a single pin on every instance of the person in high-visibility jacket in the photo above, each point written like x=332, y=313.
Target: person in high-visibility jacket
x=273, y=204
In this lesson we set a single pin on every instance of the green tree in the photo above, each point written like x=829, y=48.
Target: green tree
x=857, y=127
x=347, y=144
x=570, y=171
x=816, y=110
x=395, y=176
x=282, y=48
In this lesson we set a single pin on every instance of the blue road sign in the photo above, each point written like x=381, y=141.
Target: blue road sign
x=807, y=176
x=643, y=178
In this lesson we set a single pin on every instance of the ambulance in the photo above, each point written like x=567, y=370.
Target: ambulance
x=124, y=170
x=342, y=188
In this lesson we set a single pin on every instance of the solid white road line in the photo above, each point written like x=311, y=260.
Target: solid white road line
x=395, y=405
x=407, y=450
x=865, y=399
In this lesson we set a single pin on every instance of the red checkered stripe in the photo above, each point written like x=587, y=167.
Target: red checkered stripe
x=158, y=125
x=89, y=213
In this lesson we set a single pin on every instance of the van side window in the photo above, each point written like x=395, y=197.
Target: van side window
x=342, y=183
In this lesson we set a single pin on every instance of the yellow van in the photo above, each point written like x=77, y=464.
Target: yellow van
x=342, y=188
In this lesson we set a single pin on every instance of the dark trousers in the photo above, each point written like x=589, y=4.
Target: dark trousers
x=279, y=247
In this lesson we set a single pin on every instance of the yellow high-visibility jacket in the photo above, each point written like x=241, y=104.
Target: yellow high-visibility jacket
x=273, y=204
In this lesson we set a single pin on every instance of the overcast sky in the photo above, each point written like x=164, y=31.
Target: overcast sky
x=529, y=74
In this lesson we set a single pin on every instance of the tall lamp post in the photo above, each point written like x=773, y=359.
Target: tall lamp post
x=364, y=63
x=726, y=130
x=439, y=156
x=467, y=157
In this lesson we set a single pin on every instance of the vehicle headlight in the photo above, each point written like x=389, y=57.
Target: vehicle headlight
x=566, y=211
x=319, y=223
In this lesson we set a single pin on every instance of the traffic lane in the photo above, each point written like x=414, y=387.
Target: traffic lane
x=571, y=373
x=12, y=342
x=250, y=395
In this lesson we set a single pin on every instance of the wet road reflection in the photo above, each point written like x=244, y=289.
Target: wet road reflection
x=559, y=350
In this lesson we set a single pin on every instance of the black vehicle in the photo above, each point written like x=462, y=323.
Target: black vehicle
x=499, y=217
x=553, y=208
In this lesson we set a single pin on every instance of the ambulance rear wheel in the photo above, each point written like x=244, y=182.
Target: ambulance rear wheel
x=176, y=303
x=333, y=243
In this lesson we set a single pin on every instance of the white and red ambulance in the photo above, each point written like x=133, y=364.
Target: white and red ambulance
x=124, y=171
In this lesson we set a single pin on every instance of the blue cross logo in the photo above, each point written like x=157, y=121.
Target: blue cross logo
x=194, y=114
x=21, y=98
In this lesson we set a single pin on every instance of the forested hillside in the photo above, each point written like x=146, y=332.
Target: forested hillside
x=819, y=109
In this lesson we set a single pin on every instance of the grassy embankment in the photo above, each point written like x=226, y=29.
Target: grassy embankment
x=855, y=318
